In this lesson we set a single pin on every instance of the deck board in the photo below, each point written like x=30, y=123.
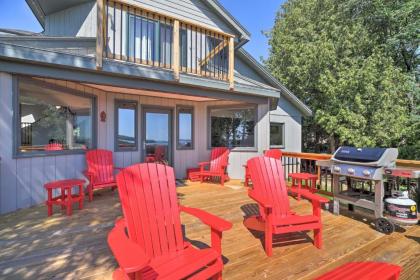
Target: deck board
x=33, y=246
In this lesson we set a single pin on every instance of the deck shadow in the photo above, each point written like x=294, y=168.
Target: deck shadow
x=199, y=244
x=279, y=240
x=365, y=217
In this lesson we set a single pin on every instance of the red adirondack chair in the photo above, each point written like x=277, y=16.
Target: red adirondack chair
x=193, y=174
x=216, y=167
x=364, y=271
x=153, y=247
x=53, y=147
x=272, y=153
x=158, y=156
x=100, y=170
x=270, y=192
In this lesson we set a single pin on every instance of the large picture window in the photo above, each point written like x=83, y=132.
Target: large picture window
x=185, y=124
x=52, y=118
x=232, y=126
x=276, y=135
x=126, y=125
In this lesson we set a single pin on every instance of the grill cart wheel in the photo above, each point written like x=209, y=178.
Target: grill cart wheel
x=384, y=225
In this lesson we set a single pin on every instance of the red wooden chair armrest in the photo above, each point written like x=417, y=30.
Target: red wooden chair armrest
x=203, y=164
x=259, y=200
x=130, y=256
x=311, y=196
x=211, y=220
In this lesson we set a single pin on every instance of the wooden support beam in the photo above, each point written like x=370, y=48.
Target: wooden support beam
x=231, y=63
x=100, y=18
x=175, y=49
x=214, y=51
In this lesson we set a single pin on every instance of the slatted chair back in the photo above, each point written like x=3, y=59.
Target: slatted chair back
x=100, y=165
x=268, y=182
x=219, y=157
x=150, y=207
x=273, y=153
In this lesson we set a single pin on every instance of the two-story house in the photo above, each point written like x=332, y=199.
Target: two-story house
x=133, y=76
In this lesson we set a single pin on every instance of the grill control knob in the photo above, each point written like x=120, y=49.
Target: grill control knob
x=366, y=172
x=350, y=171
x=337, y=169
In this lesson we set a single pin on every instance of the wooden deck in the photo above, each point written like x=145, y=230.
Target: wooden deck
x=33, y=246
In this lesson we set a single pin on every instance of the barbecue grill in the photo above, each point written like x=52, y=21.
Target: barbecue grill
x=358, y=175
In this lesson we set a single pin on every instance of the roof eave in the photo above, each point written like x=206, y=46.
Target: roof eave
x=245, y=35
x=37, y=11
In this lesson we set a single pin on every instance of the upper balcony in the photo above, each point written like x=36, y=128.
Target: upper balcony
x=130, y=33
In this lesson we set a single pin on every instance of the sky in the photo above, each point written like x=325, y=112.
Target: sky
x=256, y=16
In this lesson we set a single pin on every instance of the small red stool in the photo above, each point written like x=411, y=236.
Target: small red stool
x=364, y=271
x=66, y=198
x=297, y=179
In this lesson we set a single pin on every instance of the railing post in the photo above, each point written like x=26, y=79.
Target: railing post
x=100, y=33
x=231, y=63
x=175, y=66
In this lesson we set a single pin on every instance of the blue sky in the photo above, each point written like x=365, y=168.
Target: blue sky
x=256, y=16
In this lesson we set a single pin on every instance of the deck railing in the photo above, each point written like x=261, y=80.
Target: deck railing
x=306, y=162
x=129, y=32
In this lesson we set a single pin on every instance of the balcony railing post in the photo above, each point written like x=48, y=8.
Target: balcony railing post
x=100, y=33
x=176, y=46
x=231, y=62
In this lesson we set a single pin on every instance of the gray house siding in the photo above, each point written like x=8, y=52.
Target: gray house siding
x=243, y=68
x=285, y=111
x=80, y=20
x=22, y=179
x=77, y=21
x=190, y=10
x=288, y=114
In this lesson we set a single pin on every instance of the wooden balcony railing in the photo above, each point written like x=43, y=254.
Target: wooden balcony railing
x=306, y=162
x=128, y=32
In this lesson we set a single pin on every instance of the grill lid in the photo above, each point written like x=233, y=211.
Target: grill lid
x=359, y=154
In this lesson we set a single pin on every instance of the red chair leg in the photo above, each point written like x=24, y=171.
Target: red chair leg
x=49, y=203
x=69, y=202
x=222, y=180
x=299, y=189
x=218, y=276
x=318, y=238
x=90, y=190
x=63, y=197
x=81, y=196
x=268, y=242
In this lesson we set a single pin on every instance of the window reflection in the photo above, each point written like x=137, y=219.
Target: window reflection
x=126, y=124
x=185, y=128
x=52, y=120
x=233, y=127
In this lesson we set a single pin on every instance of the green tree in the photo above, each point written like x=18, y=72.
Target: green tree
x=329, y=57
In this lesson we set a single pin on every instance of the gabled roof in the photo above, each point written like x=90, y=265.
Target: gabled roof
x=41, y=8
x=271, y=80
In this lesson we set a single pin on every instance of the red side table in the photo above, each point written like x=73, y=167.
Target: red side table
x=297, y=179
x=66, y=198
